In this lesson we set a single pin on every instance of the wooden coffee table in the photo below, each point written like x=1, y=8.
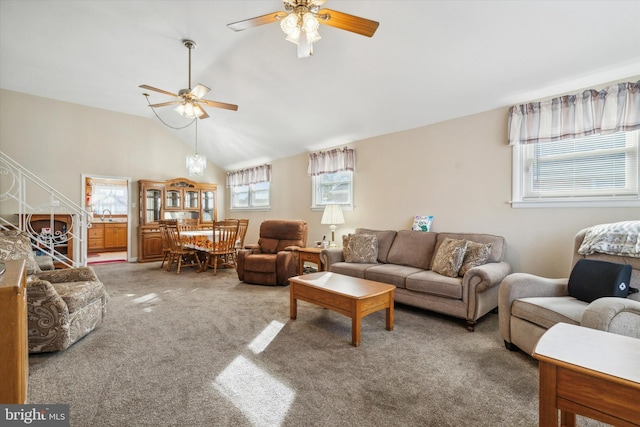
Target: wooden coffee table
x=351, y=296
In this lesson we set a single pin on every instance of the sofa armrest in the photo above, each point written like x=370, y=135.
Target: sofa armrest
x=330, y=256
x=79, y=274
x=48, y=317
x=486, y=276
x=616, y=315
x=523, y=285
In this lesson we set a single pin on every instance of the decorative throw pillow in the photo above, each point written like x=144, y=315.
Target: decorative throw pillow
x=422, y=223
x=449, y=257
x=477, y=254
x=361, y=248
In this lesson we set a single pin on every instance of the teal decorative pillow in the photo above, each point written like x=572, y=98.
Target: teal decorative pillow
x=449, y=257
x=422, y=223
x=361, y=248
x=477, y=254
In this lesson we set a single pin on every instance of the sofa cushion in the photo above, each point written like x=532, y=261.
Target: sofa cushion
x=392, y=274
x=412, y=249
x=477, y=254
x=430, y=282
x=547, y=311
x=449, y=257
x=385, y=239
x=350, y=268
x=15, y=244
x=360, y=248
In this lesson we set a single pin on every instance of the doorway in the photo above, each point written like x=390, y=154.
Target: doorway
x=108, y=199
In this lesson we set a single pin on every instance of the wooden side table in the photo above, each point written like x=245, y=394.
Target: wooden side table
x=588, y=372
x=309, y=255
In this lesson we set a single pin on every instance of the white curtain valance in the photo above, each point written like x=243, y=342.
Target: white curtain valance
x=248, y=176
x=613, y=109
x=331, y=161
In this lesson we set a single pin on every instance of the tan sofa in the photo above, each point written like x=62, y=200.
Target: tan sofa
x=405, y=259
x=529, y=305
x=63, y=305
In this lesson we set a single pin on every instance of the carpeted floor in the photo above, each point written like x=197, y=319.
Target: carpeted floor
x=201, y=350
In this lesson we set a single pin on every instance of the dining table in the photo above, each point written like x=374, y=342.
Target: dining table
x=204, y=241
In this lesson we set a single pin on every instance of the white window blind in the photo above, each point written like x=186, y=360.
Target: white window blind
x=599, y=167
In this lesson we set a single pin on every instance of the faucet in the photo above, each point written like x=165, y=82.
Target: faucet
x=106, y=210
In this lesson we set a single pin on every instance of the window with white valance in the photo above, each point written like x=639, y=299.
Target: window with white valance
x=332, y=177
x=577, y=150
x=250, y=188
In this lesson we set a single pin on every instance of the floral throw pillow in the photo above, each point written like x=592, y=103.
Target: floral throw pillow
x=449, y=257
x=361, y=248
x=477, y=254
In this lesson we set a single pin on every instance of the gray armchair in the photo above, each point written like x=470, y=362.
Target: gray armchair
x=529, y=305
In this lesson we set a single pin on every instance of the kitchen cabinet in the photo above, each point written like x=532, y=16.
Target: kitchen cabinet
x=107, y=236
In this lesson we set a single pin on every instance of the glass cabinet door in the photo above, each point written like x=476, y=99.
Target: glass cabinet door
x=152, y=208
x=208, y=205
x=173, y=199
x=191, y=199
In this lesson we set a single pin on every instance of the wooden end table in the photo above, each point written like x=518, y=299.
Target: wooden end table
x=309, y=255
x=351, y=296
x=588, y=372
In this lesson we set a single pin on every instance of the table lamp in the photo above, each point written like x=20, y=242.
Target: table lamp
x=332, y=215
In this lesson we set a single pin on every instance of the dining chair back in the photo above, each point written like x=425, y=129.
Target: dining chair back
x=223, y=251
x=181, y=255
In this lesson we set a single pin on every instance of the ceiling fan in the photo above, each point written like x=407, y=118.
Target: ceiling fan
x=301, y=19
x=189, y=100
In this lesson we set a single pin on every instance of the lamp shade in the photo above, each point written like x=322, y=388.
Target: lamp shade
x=332, y=215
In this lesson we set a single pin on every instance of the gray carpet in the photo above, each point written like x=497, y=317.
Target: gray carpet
x=201, y=350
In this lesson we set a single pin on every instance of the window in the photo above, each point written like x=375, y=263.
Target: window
x=109, y=197
x=251, y=196
x=599, y=170
x=332, y=188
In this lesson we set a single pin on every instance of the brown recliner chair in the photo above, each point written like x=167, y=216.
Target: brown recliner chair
x=274, y=259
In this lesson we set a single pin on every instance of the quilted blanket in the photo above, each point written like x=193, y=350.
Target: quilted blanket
x=620, y=238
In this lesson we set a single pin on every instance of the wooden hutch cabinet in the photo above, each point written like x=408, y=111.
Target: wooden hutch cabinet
x=178, y=198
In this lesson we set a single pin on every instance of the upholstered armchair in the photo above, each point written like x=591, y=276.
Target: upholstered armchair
x=528, y=305
x=63, y=305
x=274, y=259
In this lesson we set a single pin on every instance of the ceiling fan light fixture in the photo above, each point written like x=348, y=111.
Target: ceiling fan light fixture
x=188, y=109
x=290, y=25
x=310, y=26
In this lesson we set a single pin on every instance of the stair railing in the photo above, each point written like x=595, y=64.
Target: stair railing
x=22, y=195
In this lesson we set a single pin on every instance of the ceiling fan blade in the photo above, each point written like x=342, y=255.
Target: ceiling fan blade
x=157, y=90
x=219, y=104
x=204, y=114
x=199, y=91
x=257, y=21
x=164, y=104
x=344, y=21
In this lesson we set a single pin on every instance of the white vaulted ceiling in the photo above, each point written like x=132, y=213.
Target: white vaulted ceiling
x=429, y=61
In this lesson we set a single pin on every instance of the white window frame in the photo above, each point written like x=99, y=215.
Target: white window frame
x=316, y=182
x=252, y=190
x=629, y=197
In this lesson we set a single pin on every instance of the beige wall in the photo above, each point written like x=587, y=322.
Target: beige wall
x=458, y=170
x=60, y=141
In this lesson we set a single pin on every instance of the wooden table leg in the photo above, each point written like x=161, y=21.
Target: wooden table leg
x=567, y=419
x=293, y=302
x=548, y=412
x=390, y=313
x=356, y=322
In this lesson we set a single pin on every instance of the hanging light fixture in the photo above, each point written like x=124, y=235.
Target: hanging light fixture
x=301, y=27
x=196, y=163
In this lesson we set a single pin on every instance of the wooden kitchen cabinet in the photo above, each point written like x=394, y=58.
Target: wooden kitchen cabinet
x=95, y=237
x=115, y=236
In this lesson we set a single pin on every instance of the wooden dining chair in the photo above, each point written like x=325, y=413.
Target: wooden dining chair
x=224, y=247
x=188, y=224
x=181, y=255
x=243, y=225
x=166, y=242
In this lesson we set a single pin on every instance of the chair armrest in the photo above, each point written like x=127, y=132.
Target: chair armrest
x=523, y=285
x=291, y=248
x=616, y=315
x=79, y=274
x=486, y=276
x=48, y=314
x=330, y=256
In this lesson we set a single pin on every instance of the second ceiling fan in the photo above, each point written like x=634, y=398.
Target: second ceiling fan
x=301, y=19
x=189, y=100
